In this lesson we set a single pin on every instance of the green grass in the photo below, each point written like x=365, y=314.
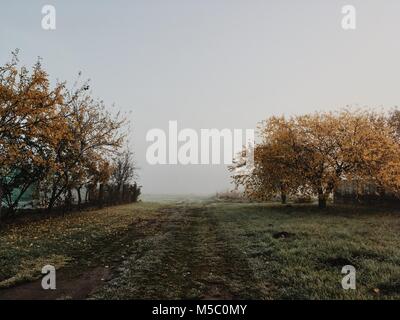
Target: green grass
x=208, y=250
x=307, y=265
x=77, y=241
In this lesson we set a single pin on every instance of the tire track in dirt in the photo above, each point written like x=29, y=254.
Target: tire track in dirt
x=222, y=271
x=194, y=262
x=181, y=254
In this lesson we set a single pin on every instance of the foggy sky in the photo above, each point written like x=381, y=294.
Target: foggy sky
x=212, y=63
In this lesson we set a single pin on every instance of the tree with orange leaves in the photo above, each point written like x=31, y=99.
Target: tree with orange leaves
x=93, y=134
x=53, y=138
x=28, y=118
x=274, y=164
x=313, y=153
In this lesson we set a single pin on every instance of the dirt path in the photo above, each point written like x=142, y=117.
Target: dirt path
x=222, y=272
x=69, y=286
x=181, y=255
x=187, y=257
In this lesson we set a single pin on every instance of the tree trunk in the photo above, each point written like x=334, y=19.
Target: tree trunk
x=119, y=193
x=68, y=200
x=52, y=200
x=54, y=197
x=14, y=205
x=78, y=190
x=283, y=193
x=87, y=195
x=283, y=198
x=1, y=197
x=321, y=200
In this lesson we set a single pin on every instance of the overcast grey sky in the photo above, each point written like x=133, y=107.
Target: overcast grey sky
x=212, y=63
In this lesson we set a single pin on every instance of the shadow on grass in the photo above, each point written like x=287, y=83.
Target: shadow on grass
x=345, y=210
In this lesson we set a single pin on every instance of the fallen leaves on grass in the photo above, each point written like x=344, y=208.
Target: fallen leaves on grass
x=25, y=248
x=31, y=269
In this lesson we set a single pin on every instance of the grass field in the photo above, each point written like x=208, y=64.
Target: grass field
x=205, y=250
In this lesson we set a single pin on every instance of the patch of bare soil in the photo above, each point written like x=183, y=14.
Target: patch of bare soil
x=77, y=287
x=282, y=235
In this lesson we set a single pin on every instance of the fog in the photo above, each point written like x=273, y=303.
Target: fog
x=211, y=64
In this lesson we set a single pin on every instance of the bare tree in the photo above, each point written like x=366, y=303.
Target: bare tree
x=124, y=171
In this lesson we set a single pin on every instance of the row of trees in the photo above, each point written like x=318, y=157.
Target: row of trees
x=55, y=138
x=311, y=154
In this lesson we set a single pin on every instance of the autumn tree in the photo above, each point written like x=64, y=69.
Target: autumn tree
x=315, y=152
x=28, y=117
x=394, y=122
x=274, y=168
x=356, y=145
x=382, y=161
x=57, y=139
x=93, y=135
